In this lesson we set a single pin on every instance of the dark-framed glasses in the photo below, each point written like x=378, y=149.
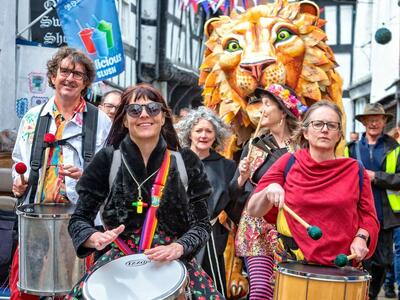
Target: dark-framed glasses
x=65, y=72
x=152, y=109
x=318, y=125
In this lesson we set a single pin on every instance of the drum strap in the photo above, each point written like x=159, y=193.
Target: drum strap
x=89, y=132
x=38, y=145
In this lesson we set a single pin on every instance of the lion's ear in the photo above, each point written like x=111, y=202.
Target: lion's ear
x=309, y=7
x=209, y=27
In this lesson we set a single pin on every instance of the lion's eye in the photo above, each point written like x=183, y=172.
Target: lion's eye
x=232, y=46
x=283, y=35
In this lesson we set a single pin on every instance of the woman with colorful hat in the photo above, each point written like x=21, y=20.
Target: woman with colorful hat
x=281, y=110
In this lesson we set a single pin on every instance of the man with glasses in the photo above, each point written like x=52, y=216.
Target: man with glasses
x=379, y=154
x=110, y=103
x=79, y=129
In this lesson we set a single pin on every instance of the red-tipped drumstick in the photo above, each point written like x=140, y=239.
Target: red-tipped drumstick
x=48, y=139
x=21, y=168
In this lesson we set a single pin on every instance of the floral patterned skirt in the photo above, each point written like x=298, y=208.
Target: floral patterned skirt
x=254, y=236
x=201, y=285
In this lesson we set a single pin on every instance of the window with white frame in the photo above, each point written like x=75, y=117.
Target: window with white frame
x=331, y=24
x=346, y=21
x=125, y=20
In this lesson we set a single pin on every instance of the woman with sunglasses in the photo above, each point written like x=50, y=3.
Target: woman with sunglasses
x=148, y=188
x=327, y=191
x=205, y=133
x=280, y=109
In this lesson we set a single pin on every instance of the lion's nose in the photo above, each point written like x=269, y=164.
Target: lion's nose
x=256, y=68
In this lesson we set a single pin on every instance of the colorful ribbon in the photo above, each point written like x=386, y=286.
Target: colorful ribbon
x=150, y=223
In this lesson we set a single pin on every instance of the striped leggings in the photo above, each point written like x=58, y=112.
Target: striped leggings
x=260, y=270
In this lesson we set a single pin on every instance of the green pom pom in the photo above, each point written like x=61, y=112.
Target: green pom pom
x=314, y=232
x=341, y=260
x=383, y=36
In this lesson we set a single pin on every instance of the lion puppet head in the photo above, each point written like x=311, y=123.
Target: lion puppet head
x=273, y=43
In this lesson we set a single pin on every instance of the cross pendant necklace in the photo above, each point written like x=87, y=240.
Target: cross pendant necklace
x=139, y=204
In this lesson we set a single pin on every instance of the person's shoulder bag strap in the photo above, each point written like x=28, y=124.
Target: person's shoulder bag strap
x=360, y=175
x=288, y=166
x=358, y=152
x=115, y=165
x=89, y=132
x=181, y=168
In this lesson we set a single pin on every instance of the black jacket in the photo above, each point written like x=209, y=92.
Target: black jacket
x=219, y=172
x=182, y=214
x=385, y=180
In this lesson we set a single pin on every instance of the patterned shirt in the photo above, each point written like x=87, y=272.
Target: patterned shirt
x=71, y=155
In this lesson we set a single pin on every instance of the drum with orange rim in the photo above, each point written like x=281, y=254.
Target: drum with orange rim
x=311, y=282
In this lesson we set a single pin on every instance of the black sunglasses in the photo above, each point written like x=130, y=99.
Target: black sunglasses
x=135, y=110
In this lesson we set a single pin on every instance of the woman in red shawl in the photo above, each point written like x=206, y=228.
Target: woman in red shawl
x=324, y=190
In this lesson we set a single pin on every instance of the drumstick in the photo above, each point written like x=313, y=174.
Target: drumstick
x=342, y=259
x=314, y=232
x=21, y=168
x=255, y=133
x=48, y=139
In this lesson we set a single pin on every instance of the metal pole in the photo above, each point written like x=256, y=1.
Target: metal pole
x=36, y=20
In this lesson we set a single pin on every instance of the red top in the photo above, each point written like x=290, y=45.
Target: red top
x=325, y=194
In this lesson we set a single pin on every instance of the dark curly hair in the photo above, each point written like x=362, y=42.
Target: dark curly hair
x=141, y=91
x=77, y=57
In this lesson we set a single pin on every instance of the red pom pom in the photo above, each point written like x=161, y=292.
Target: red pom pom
x=20, y=168
x=49, y=138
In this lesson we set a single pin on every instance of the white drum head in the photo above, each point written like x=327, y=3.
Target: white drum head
x=135, y=277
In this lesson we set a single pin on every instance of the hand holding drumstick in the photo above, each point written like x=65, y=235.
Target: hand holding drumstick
x=20, y=185
x=359, y=252
x=276, y=196
x=21, y=168
x=244, y=164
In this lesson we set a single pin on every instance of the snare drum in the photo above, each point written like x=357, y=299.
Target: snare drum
x=135, y=277
x=310, y=282
x=48, y=265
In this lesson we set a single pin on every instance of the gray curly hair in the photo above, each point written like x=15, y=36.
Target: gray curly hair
x=185, y=125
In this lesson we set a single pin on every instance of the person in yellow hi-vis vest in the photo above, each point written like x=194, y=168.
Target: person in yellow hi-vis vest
x=379, y=154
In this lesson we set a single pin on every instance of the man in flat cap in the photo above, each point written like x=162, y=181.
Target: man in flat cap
x=379, y=154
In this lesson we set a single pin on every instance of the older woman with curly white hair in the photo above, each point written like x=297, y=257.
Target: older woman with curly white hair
x=204, y=132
